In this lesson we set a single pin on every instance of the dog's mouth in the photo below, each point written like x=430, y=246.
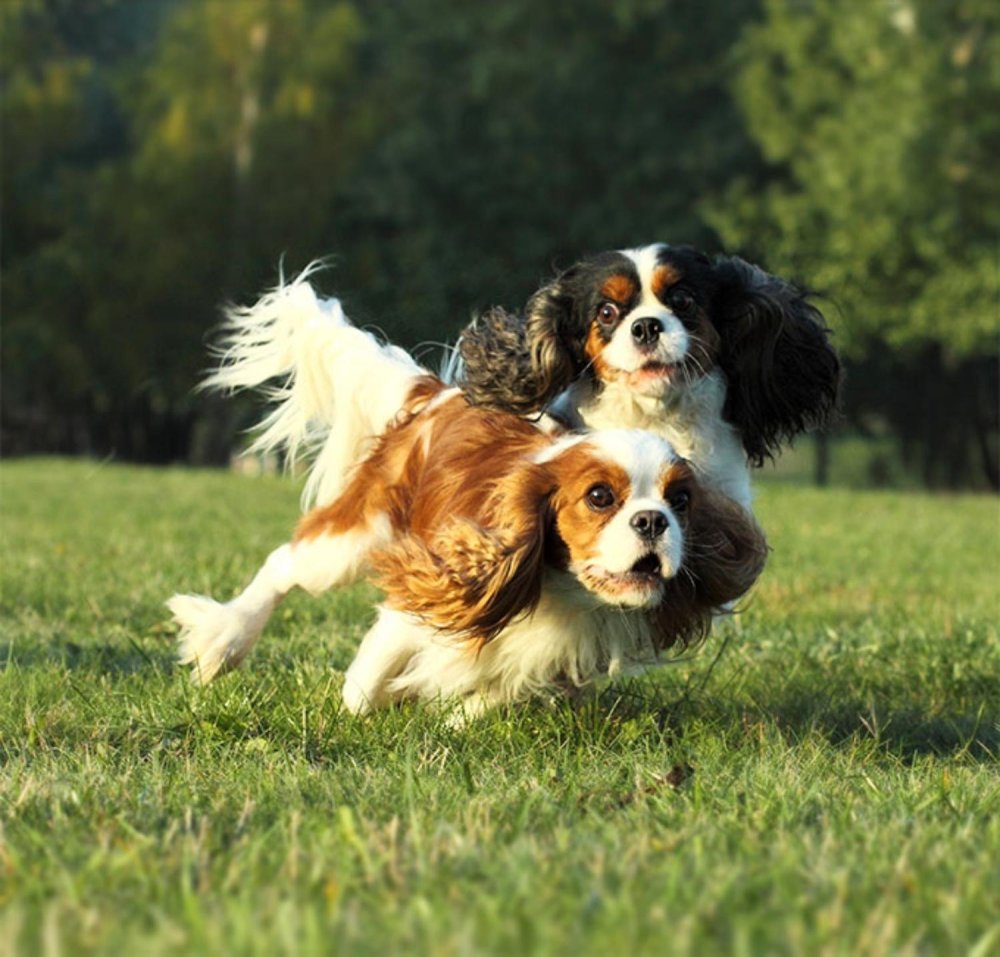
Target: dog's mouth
x=656, y=369
x=640, y=586
x=653, y=377
x=649, y=566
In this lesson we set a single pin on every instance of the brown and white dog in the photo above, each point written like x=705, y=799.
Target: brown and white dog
x=511, y=559
x=722, y=359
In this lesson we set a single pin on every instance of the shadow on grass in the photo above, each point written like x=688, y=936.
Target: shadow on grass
x=124, y=657
x=904, y=726
x=907, y=728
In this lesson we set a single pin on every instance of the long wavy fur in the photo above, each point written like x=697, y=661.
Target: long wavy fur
x=724, y=554
x=783, y=374
x=476, y=579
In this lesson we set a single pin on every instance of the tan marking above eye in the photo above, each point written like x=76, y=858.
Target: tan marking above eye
x=663, y=278
x=675, y=475
x=619, y=288
x=578, y=524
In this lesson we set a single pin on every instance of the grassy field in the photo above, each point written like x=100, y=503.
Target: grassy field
x=822, y=778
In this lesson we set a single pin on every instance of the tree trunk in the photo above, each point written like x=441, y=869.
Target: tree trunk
x=822, y=473
x=984, y=427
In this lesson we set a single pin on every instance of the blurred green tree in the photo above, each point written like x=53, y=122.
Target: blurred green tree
x=220, y=146
x=517, y=136
x=240, y=127
x=162, y=156
x=880, y=124
x=59, y=122
x=449, y=153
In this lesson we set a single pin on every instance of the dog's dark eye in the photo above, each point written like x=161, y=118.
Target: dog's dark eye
x=679, y=501
x=608, y=313
x=600, y=497
x=681, y=301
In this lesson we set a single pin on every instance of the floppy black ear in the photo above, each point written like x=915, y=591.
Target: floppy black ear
x=521, y=363
x=783, y=374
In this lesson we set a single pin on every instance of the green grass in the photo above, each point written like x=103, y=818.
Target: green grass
x=829, y=785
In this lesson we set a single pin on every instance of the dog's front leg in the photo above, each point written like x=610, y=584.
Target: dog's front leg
x=383, y=654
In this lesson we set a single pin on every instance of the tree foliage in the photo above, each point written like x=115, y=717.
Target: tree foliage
x=883, y=121
x=880, y=124
x=162, y=156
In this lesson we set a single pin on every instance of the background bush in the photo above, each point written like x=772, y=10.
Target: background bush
x=162, y=156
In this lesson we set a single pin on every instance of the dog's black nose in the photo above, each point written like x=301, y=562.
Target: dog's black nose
x=650, y=524
x=646, y=330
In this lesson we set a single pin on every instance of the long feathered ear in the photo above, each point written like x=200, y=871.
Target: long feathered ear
x=496, y=364
x=783, y=374
x=556, y=349
x=469, y=579
x=724, y=554
x=520, y=363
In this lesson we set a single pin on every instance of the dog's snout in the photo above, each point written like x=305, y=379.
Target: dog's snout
x=646, y=330
x=649, y=524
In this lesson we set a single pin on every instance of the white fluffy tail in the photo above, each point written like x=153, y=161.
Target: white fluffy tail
x=335, y=387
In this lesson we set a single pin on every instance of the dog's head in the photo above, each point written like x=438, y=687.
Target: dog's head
x=653, y=321
x=616, y=509
x=637, y=529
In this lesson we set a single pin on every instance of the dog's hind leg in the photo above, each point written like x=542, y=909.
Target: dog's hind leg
x=215, y=636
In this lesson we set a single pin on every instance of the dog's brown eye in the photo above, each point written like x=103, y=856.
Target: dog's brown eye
x=681, y=301
x=679, y=501
x=600, y=497
x=608, y=313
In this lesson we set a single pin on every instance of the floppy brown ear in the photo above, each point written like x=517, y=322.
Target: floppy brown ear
x=496, y=367
x=469, y=579
x=556, y=352
x=724, y=553
x=521, y=363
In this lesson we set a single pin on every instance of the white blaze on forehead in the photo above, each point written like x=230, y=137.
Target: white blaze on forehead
x=646, y=259
x=558, y=447
x=672, y=342
x=643, y=456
